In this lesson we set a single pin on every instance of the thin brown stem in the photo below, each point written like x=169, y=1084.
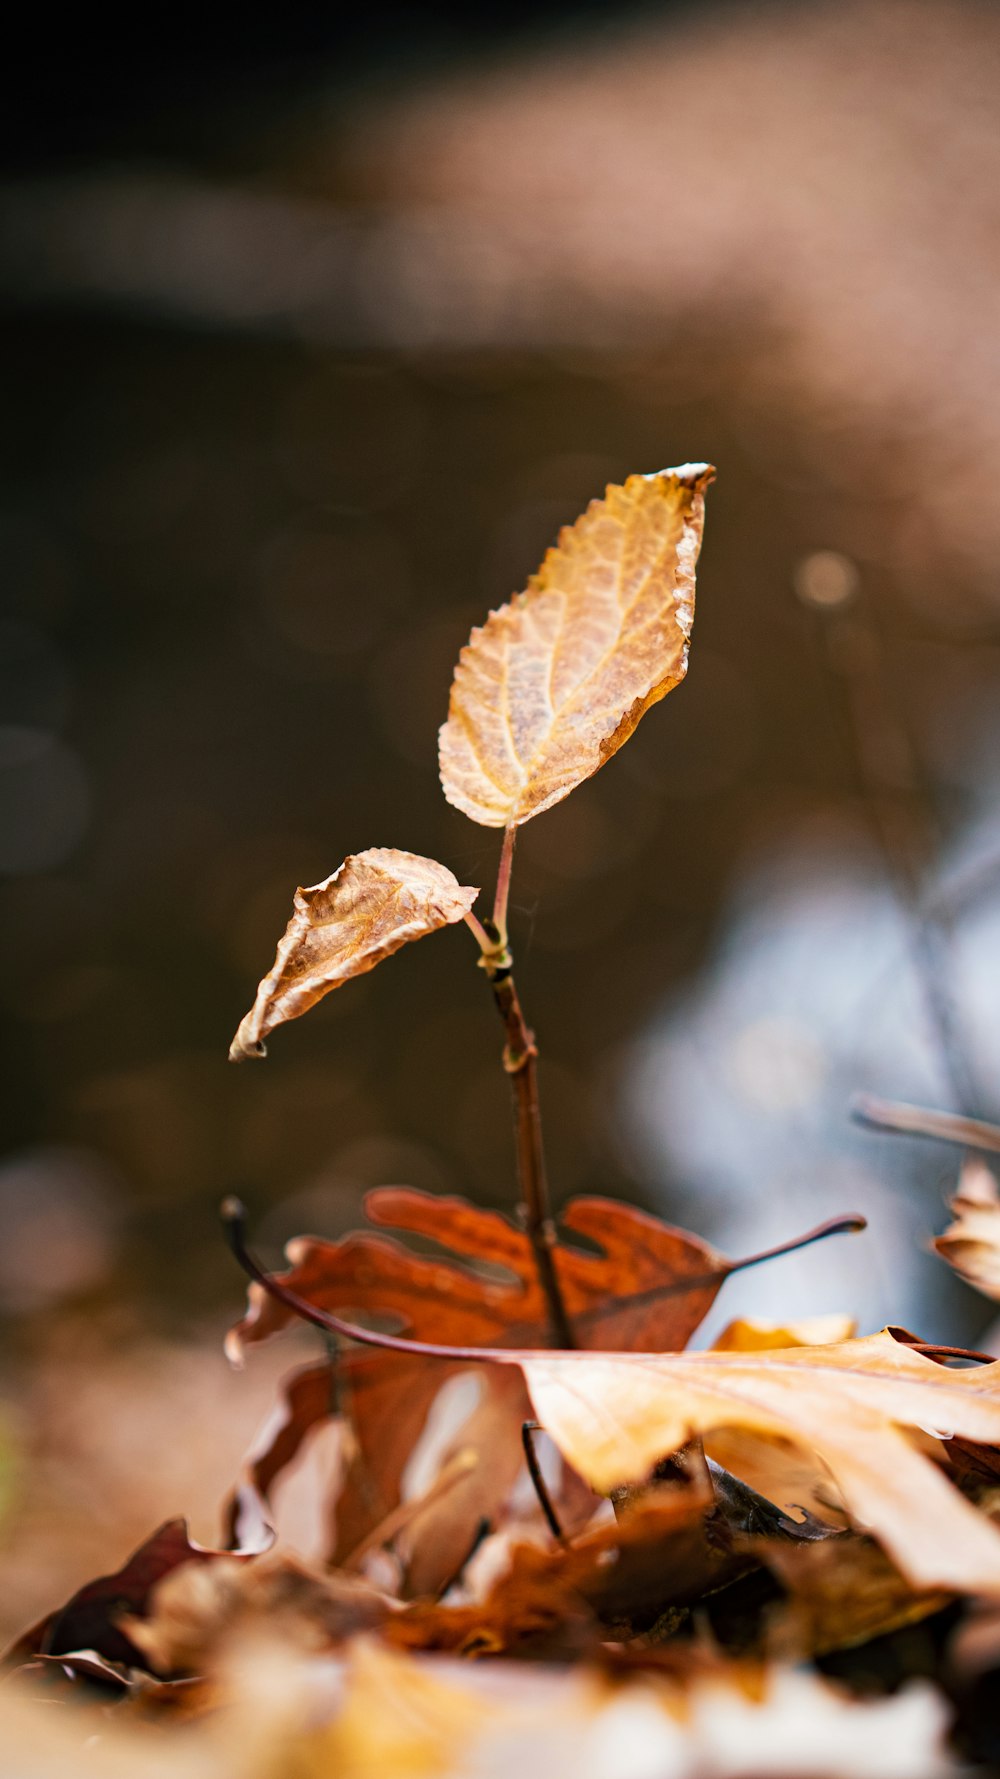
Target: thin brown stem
x=538, y=1483
x=520, y=1060
x=479, y=933
x=503, y=884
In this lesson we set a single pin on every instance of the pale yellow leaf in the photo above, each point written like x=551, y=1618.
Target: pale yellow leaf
x=972, y=1243
x=747, y=1336
x=376, y=902
x=556, y=681
x=614, y=1416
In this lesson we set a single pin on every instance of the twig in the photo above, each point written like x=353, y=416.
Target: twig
x=920, y=1121
x=502, y=896
x=520, y=1060
x=528, y=1431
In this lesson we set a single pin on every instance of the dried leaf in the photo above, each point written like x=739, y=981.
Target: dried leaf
x=90, y=1620
x=971, y=1245
x=747, y=1336
x=784, y=1472
x=376, y=902
x=613, y=1418
x=842, y=1592
x=195, y=1609
x=556, y=681
x=616, y=1579
x=648, y=1290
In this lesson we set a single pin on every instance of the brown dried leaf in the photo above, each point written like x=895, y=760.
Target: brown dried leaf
x=614, y=1579
x=781, y=1470
x=556, y=681
x=196, y=1609
x=842, y=1592
x=613, y=1418
x=376, y=902
x=971, y=1245
x=647, y=1290
x=91, y=1619
x=748, y=1336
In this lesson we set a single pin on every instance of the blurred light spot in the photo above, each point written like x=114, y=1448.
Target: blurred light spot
x=57, y=1217
x=826, y=578
x=44, y=801
x=777, y=1064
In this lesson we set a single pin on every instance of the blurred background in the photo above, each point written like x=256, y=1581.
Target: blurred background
x=310, y=344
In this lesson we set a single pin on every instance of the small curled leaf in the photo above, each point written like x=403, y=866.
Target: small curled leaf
x=377, y=901
x=556, y=681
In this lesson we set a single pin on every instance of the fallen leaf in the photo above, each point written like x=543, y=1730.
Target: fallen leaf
x=747, y=1336
x=614, y=1417
x=376, y=902
x=556, y=681
x=971, y=1245
x=615, y=1581
x=784, y=1471
x=647, y=1290
x=841, y=1592
x=431, y=1718
x=91, y=1619
x=196, y=1608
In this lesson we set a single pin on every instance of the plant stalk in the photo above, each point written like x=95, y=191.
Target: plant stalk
x=520, y=1061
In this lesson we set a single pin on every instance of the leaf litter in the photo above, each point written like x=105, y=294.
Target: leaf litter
x=553, y=1536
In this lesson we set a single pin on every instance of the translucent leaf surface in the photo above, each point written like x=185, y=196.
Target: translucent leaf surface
x=376, y=902
x=556, y=680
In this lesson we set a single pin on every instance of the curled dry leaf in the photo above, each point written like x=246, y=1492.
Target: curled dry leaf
x=92, y=1619
x=376, y=902
x=556, y=681
x=971, y=1245
x=841, y=1592
x=613, y=1418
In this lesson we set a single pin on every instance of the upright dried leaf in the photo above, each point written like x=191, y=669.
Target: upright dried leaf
x=613, y=1418
x=376, y=902
x=972, y=1243
x=556, y=681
